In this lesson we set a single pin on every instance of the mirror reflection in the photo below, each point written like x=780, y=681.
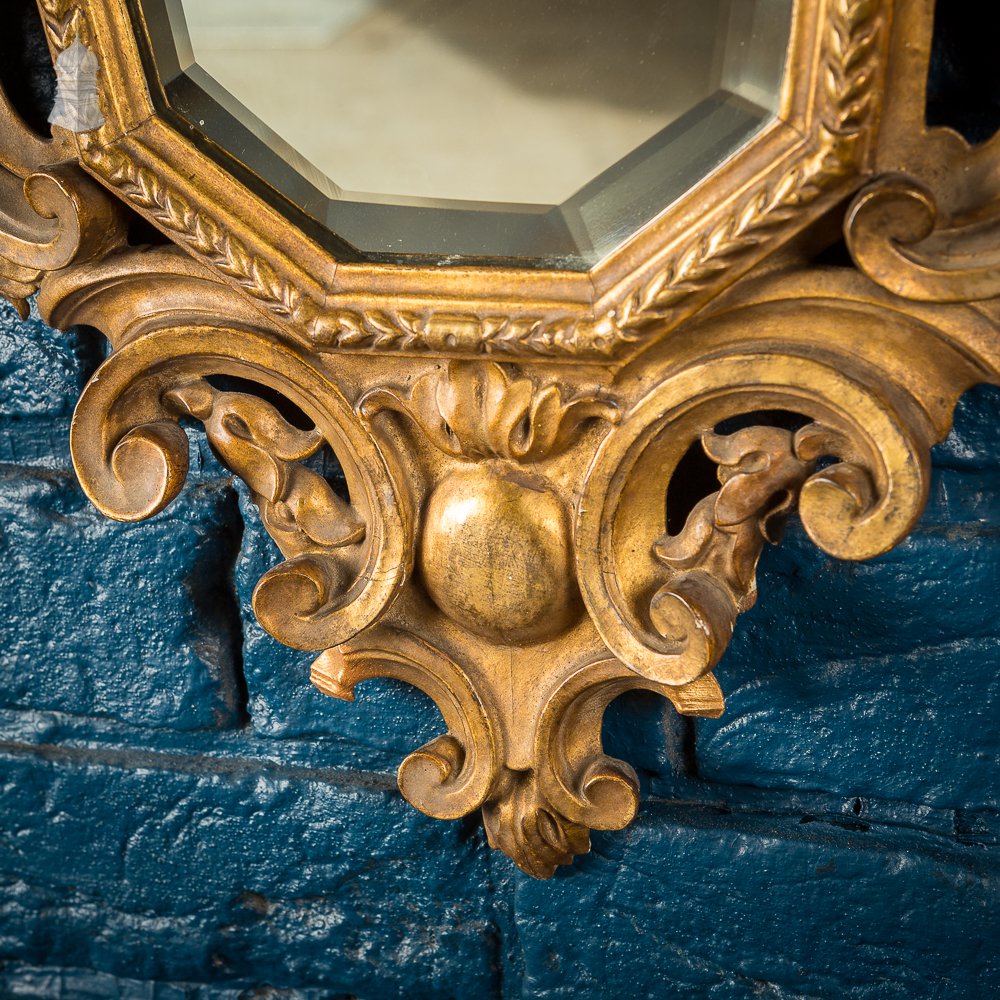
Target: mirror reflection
x=541, y=131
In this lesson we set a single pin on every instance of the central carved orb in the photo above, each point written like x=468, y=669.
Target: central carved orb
x=496, y=556
x=539, y=133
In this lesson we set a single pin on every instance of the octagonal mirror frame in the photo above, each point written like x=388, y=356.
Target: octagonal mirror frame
x=799, y=162
x=518, y=532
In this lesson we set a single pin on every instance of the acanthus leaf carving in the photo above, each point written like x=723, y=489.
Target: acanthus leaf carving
x=714, y=558
x=520, y=823
x=345, y=561
x=64, y=22
x=298, y=506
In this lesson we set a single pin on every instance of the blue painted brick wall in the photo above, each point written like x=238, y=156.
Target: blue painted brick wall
x=183, y=816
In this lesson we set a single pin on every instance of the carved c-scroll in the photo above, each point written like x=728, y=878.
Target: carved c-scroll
x=896, y=237
x=345, y=561
x=453, y=774
x=66, y=224
x=665, y=605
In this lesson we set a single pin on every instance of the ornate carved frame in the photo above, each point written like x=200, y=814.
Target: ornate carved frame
x=508, y=436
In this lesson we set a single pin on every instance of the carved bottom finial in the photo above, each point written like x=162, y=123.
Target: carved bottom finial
x=520, y=823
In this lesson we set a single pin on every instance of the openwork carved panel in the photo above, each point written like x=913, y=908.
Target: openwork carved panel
x=508, y=437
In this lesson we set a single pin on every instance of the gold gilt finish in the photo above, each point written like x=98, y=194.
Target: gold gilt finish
x=508, y=437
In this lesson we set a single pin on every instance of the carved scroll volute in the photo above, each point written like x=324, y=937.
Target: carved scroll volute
x=453, y=774
x=346, y=560
x=927, y=228
x=51, y=213
x=898, y=236
x=61, y=218
x=666, y=605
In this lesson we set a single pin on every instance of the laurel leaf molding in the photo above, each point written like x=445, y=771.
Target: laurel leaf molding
x=801, y=168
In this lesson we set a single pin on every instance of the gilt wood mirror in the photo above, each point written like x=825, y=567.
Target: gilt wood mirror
x=512, y=266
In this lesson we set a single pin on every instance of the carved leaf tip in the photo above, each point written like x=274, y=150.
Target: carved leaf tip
x=713, y=559
x=478, y=410
x=328, y=672
x=258, y=444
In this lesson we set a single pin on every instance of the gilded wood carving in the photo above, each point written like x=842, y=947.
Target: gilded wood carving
x=508, y=437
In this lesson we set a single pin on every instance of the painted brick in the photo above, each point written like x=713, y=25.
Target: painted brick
x=910, y=728
x=131, y=622
x=41, y=443
x=23, y=982
x=239, y=874
x=42, y=370
x=877, y=678
x=214, y=748
x=643, y=729
x=690, y=902
x=972, y=443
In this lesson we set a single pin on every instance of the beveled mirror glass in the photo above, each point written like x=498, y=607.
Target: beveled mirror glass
x=545, y=133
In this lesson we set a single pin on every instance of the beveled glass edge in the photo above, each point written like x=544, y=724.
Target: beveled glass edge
x=478, y=234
